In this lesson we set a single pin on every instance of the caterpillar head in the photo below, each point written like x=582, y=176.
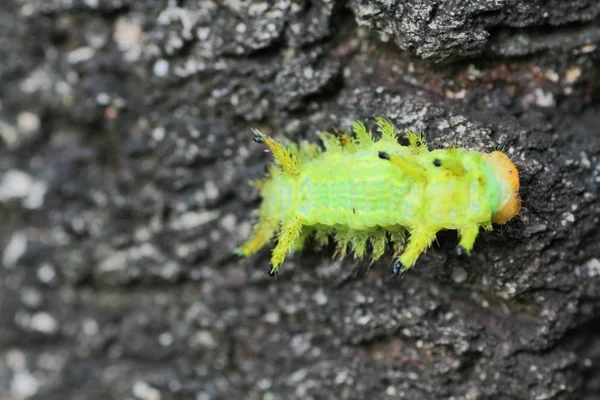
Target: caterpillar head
x=507, y=178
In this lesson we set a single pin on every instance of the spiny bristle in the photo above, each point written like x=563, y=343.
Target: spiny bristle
x=378, y=242
x=331, y=142
x=342, y=240
x=388, y=132
x=364, y=138
x=417, y=143
x=359, y=244
x=283, y=155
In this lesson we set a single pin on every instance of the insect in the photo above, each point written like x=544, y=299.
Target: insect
x=362, y=192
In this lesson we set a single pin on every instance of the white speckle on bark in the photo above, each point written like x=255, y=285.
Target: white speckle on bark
x=28, y=122
x=143, y=391
x=102, y=99
x=229, y=222
x=46, y=273
x=37, y=193
x=341, y=377
x=203, y=339
x=14, y=249
x=593, y=267
x=211, y=190
x=44, y=323
x=567, y=218
x=158, y=134
x=15, y=184
x=543, y=99
x=320, y=297
x=584, y=161
x=551, y=75
x=127, y=36
x=572, y=75
x=297, y=377
x=161, y=68
x=30, y=297
x=459, y=274
x=192, y=220
x=165, y=339
x=80, y=54
x=272, y=317
x=90, y=327
x=23, y=385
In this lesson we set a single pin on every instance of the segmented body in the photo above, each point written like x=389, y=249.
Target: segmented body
x=360, y=190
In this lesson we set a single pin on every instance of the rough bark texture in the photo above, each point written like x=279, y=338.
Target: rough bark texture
x=125, y=153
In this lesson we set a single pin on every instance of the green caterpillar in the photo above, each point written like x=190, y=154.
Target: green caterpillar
x=360, y=191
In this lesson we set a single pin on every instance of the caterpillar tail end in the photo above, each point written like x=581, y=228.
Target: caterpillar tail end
x=507, y=178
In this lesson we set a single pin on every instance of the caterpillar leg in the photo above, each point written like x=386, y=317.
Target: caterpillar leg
x=302, y=238
x=467, y=239
x=285, y=241
x=419, y=241
x=378, y=241
x=343, y=237
x=263, y=232
x=322, y=235
x=282, y=154
x=398, y=238
x=358, y=242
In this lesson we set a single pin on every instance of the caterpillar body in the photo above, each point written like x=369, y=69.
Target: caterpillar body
x=364, y=192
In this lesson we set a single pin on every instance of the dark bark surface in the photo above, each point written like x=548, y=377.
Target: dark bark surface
x=125, y=153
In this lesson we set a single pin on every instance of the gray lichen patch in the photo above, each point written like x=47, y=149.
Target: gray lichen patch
x=445, y=31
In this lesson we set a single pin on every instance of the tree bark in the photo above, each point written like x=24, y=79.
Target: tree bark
x=125, y=153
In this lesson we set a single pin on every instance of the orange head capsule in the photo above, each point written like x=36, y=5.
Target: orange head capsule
x=507, y=178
